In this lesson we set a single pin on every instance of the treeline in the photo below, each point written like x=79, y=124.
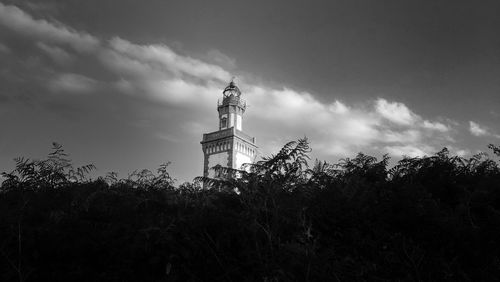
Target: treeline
x=434, y=218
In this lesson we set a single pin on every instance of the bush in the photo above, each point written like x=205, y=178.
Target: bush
x=425, y=219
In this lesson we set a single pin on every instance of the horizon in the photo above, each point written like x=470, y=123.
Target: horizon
x=127, y=85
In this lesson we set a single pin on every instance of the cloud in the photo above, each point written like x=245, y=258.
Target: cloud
x=217, y=57
x=409, y=136
x=476, y=130
x=338, y=129
x=4, y=49
x=191, y=87
x=41, y=7
x=57, y=54
x=162, y=58
x=479, y=130
x=157, y=72
x=72, y=83
x=301, y=113
x=22, y=23
x=407, y=150
x=338, y=108
x=435, y=126
x=395, y=112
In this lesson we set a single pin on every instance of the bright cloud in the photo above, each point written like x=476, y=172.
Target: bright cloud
x=338, y=129
x=410, y=136
x=479, y=130
x=338, y=108
x=476, y=130
x=435, y=126
x=395, y=112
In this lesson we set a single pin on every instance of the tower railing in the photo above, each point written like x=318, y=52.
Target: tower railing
x=218, y=134
x=207, y=137
x=245, y=136
x=232, y=101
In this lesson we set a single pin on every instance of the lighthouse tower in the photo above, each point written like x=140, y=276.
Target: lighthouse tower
x=229, y=146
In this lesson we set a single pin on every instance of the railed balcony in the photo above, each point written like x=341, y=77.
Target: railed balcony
x=220, y=134
x=232, y=100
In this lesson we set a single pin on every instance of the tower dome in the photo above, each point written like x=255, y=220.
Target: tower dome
x=231, y=89
x=232, y=96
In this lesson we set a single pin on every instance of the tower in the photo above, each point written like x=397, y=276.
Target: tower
x=229, y=146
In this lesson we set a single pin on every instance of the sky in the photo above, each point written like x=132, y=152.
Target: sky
x=132, y=84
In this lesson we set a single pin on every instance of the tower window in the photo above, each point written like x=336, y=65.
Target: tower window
x=223, y=122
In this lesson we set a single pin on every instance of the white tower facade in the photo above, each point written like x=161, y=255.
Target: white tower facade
x=229, y=146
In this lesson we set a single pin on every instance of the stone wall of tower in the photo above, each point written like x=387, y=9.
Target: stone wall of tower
x=233, y=114
x=217, y=152
x=244, y=152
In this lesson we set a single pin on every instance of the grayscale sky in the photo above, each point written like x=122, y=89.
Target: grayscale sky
x=132, y=84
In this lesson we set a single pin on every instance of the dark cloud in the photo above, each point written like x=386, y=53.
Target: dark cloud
x=23, y=23
x=57, y=54
x=4, y=49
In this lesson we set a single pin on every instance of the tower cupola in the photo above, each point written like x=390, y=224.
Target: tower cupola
x=232, y=108
x=231, y=90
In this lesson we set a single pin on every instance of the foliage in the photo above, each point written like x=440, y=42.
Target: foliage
x=425, y=219
x=53, y=172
